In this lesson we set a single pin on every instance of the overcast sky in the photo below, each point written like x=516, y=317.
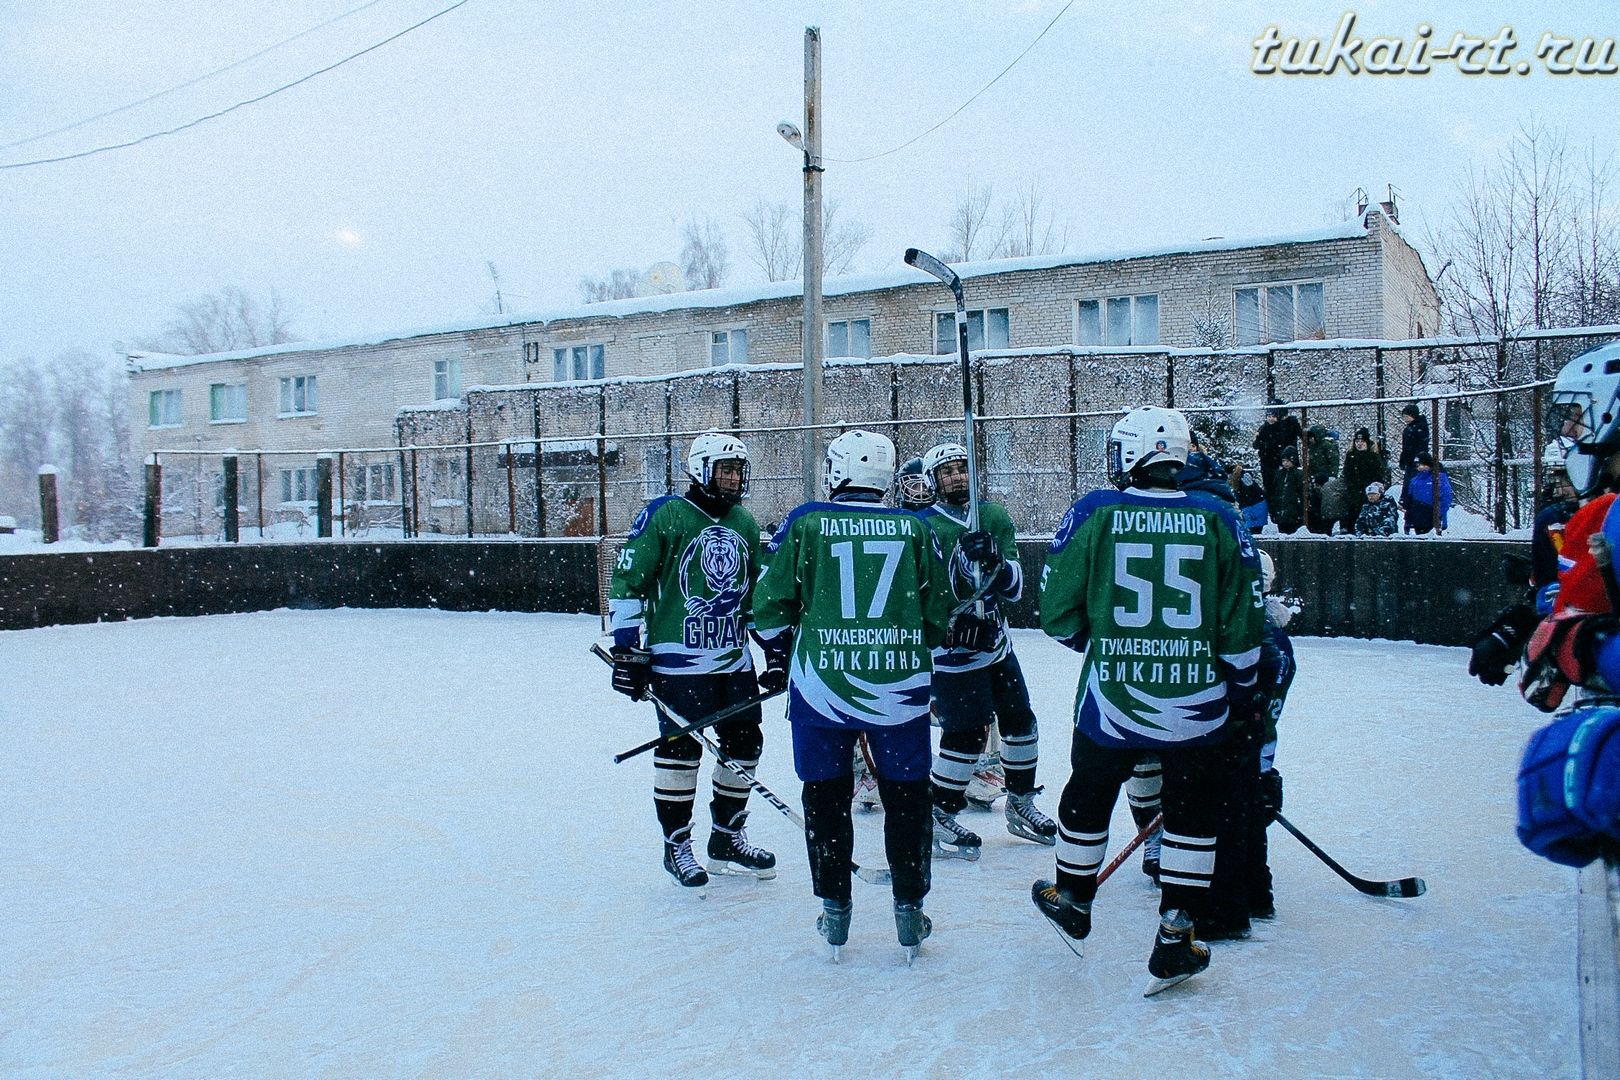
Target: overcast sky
x=559, y=139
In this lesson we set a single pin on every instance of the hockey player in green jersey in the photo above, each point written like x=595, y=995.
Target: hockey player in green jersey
x=982, y=682
x=1160, y=589
x=851, y=604
x=679, y=604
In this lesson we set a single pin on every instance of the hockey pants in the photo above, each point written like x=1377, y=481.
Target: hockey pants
x=1191, y=798
x=966, y=703
x=676, y=762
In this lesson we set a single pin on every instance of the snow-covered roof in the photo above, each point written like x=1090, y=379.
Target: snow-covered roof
x=749, y=294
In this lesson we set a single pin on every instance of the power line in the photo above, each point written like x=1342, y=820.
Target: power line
x=965, y=104
x=239, y=104
x=188, y=82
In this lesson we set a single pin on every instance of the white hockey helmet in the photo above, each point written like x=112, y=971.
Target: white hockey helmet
x=1268, y=572
x=708, y=448
x=858, y=459
x=1147, y=436
x=1585, y=406
x=939, y=455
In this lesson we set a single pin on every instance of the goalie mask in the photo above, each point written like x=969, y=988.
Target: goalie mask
x=708, y=450
x=858, y=459
x=915, y=486
x=1584, y=408
x=1145, y=437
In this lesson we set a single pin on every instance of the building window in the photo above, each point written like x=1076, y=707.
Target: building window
x=446, y=380
x=374, y=483
x=1280, y=313
x=998, y=462
x=988, y=328
x=578, y=363
x=1119, y=320
x=298, y=396
x=163, y=408
x=728, y=347
x=227, y=403
x=850, y=337
x=298, y=485
x=655, y=470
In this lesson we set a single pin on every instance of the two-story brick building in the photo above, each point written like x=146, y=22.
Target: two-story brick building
x=1359, y=279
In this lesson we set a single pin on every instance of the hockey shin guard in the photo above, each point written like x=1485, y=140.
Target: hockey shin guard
x=908, y=831
x=829, y=835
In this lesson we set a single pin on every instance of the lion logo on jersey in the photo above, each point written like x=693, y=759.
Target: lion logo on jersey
x=714, y=592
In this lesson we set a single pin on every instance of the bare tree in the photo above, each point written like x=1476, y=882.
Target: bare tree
x=705, y=259
x=1529, y=242
x=226, y=321
x=969, y=234
x=1028, y=228
x=618, y=285
x=776, y=239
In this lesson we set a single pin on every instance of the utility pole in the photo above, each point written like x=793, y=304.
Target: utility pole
x=812, y=255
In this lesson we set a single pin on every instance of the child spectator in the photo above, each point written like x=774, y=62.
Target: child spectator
x=1287, y=501
x=1428, y=497
x=1377, y=516
x=1251, y=498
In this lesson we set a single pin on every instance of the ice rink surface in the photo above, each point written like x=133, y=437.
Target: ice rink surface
x=392, y=843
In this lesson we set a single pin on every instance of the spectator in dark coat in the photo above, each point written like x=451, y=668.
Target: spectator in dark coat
x=1362, y=465
x=1414, y=441
x=1278, y=432
x=1287, y=500
x=1428, y=497
x=1377, y=516
x=1558, y=505
x=1203, y=473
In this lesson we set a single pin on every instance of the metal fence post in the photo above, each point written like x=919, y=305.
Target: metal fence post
x=50, y=516
x=152, y=526
x=233, y=511
x=323, y=495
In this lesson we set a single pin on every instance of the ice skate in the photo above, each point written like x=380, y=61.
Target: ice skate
x=833, y=924
x=681, y=863
x=1177, y=955
x=1071, y=918
x=1025, y=819
x=952, y=841
x=988, y=782
x=1150, y=857
x=912, y=926
x=731, y=853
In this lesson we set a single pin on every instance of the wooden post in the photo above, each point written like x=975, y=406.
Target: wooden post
x=152, y=531
x=233, y=511
x=323, y=496
x=50, y=516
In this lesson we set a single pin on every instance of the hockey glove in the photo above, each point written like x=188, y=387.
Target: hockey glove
x=774, y=679
x=1499, y=647
x=632, y=671
x=1562, y=653
x=972, y=633
x=980, y=549
x=1270, y=803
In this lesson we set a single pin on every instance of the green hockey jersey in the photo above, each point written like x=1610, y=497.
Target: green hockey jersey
x=683, y=582
x=1161, y=590
x=948, y=528
x=862, y=590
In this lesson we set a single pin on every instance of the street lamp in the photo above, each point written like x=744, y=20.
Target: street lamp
x=808, y=142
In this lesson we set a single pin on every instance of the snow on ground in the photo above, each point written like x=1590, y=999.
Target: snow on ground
x=382, y=844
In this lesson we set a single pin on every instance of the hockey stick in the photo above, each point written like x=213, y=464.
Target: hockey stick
x=685, y=729
x=870, y=875
x=948, y=277
x=1405, y=887
x=1125, y=852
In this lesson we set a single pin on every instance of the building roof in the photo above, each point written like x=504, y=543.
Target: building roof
x=748, y=294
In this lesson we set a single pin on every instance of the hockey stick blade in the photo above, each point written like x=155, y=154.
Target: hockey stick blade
x=934, y=268
x=1404, y=888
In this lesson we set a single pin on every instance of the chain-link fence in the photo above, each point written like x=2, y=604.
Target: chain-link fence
x=582, y=459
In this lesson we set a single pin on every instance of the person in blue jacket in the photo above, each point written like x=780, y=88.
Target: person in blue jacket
x=1428, y=497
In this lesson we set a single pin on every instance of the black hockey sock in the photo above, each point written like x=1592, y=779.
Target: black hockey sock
x=908, y=836
x=830, y=834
